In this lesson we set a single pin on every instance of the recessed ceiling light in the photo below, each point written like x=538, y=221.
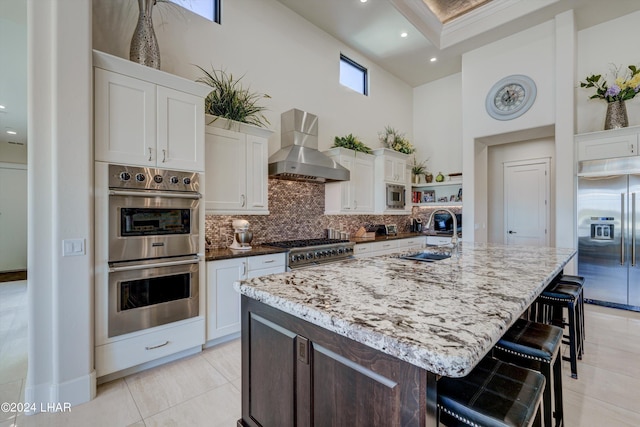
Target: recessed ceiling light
x=403, y=34
x=2, y=107
x=363, y=1
x=12, y=132
x=434, y=59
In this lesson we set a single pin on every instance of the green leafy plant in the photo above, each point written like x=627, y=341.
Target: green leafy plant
x=419, y=168
x=395, y=140
x=624, y=87
x=230, y=100
x=352, y=143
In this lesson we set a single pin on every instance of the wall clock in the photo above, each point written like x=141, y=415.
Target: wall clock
x=511, y=97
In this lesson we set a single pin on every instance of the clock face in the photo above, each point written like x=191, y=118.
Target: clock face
x=511, y=97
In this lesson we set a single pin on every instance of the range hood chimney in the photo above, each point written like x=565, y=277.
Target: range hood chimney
x=298, y=158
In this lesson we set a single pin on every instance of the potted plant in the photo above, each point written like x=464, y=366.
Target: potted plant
x=352, y=143
x=229, y=100
x=418, y=169
x=625, y=86
x=391, y=138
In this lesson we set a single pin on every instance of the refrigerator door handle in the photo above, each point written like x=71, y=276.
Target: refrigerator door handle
x=621, y=228
x=633, y=229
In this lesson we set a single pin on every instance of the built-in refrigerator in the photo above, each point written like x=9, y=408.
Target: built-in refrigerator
x=608, y=227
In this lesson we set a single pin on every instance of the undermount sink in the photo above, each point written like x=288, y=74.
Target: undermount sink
x=425, y=256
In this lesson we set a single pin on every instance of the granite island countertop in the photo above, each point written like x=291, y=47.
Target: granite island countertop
x=442, y=316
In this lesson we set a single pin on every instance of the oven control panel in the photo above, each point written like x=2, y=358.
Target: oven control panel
x=140, y=178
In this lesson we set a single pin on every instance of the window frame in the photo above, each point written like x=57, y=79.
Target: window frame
x=359, y=67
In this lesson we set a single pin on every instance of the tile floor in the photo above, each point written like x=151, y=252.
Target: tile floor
x=204, y=389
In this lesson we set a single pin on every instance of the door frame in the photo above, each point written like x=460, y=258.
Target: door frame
x=546, y=161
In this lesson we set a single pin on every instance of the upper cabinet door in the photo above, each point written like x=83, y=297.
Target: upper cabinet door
x=125, y=119
x=257, y=173
x=362, y=189
x=180, y=130
x=226, y=174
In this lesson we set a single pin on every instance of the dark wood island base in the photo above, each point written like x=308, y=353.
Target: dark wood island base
x=295, y=373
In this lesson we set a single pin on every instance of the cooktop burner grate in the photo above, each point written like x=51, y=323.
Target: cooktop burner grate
x=303, y=243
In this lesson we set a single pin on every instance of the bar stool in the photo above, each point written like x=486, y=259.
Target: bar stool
x=537, y=346
x=559, y=296
x=578, y=281
x=494, y=394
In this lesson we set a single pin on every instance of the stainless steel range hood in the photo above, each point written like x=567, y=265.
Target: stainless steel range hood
x=299, y=158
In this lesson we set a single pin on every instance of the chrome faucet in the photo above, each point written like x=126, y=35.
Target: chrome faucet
x=454, y=236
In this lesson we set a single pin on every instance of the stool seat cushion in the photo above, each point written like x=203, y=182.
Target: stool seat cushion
x=563, y=291
x=494, y=394
x=530, y=339
x=576, y=280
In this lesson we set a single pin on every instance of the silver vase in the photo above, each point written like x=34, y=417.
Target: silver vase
x=616, y=115
x=144, y=45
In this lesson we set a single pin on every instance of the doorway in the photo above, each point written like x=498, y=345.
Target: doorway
x=526, y=202
x=13, y=217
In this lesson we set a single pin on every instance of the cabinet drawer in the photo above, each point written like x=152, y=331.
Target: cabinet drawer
x=266, y=261
x=119, y=355
x=437, y=240
x=412, y=242
x=386, y=246
x=608, y=147
x=362, y=248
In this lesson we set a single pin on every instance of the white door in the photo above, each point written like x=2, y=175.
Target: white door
x=526, y=209
x=13, y=217
x=226, y=170
x=223, y=302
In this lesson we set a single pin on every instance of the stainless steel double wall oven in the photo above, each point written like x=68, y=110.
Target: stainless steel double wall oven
x=153, y=236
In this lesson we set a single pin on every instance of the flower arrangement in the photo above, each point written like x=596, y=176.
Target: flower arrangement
x=395, y=140
x=352, y=143
x=625, y=86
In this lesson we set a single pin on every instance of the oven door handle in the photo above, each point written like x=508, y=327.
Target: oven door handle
x=154, y=265
x=155, y=194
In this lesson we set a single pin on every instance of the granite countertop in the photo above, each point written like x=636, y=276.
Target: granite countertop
x=442, y=316
x=226, y=253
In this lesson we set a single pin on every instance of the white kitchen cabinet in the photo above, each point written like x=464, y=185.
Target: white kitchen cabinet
x=390, y=169
x=223, y=302
x=608, y=144
x=383, y=247
x=438, y=240
x=236, y=170
x=355, y=196
x=391, y=165
x=161, y=342
x=147, y=117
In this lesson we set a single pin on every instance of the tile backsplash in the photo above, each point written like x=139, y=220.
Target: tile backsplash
x=296, y=211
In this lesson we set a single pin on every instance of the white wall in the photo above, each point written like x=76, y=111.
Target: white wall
x=600, y=47
x=278, y=52
x=530, y=52
x=437, y=124
x=60, y=200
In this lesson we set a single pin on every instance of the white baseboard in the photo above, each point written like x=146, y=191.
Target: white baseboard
x=56, y=397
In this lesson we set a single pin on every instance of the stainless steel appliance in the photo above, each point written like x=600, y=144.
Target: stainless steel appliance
x=416, y=225
x=299, y=158
x=608, y=226
x=395, y=196
x=241, y=236
x=153, y=233
x=311, y=252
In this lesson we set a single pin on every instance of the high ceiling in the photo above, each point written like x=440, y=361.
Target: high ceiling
x=442, y=29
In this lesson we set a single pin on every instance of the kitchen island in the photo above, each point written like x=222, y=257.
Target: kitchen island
x=363, y=342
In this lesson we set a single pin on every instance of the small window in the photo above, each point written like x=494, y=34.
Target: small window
x=353, y=75
x=209, y=9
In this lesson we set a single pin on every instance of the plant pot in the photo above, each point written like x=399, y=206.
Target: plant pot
x=415, y=179
x=428, y=177
x=616, y=117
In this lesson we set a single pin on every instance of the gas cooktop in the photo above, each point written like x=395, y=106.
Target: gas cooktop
x=302, y=243
x=309, y=252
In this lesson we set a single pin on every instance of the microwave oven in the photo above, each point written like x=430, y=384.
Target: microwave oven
x=395, y=196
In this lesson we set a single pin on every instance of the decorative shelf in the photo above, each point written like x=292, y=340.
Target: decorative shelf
x=437, y=204
x=436, y=184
